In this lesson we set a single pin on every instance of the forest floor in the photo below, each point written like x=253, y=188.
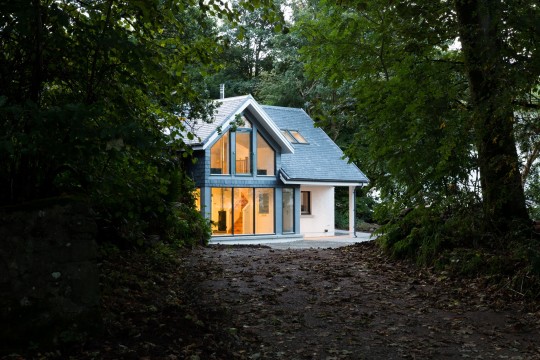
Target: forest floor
x=251, y=302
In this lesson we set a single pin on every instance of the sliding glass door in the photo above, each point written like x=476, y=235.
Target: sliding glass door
x=288, y=210
x=264, y=211
x=242, y=211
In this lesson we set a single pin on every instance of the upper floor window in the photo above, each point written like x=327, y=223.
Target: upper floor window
x=305, y=203
x=298, y=137
x=265, y=157
x=243, y=152
x=239, y=145
x=245, y=124
x=219, y=156
x=294, y=136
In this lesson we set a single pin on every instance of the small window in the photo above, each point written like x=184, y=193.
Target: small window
x=294, y=136
x=243, y=153
x=298, y=136
x=288, y=136
x=305, y=203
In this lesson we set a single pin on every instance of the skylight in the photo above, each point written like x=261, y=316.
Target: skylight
x=294, y=136
x=298, y=136
x=288, y=136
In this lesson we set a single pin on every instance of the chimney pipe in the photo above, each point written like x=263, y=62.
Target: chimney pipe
x=222, y=91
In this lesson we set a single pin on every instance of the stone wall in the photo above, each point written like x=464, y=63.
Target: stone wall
x=49, y=286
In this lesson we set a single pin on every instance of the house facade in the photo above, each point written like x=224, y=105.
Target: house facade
x=267, y=171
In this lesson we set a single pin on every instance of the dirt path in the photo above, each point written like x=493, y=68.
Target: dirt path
x=353, y=303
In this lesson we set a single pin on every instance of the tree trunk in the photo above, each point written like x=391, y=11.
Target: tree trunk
x=480, y=24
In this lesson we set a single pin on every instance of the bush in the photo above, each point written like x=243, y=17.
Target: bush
x=364, y=207
x=146, y=203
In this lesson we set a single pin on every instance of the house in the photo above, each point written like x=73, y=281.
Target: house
x=266, y=170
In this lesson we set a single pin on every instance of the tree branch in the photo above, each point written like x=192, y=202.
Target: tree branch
x=525, y=104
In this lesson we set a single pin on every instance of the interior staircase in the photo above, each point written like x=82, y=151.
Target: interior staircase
x=239, y=222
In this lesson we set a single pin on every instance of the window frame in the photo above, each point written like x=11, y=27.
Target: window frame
x=308, y=211
x=293, y=207
x=250, y=152
x=258, y=133
x=228, y=154
x=294, y=134
x=230, y=206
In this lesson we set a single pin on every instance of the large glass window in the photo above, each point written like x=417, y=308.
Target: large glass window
x=243, y=211
x=264, y=211
x=243, y=152
x=288, y=210
x=219, y=156
x=238, y=211
x=221, y=211
x=265, y=157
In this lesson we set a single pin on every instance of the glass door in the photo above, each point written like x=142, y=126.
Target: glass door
x=288, y=210
x=264, y=211
x=243, y=211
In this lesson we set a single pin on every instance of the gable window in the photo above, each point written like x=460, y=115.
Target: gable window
x=219, y=156
x=236, y=153
x=265, y=157
x=243, y=152
x=294, y=136
x=305, y=203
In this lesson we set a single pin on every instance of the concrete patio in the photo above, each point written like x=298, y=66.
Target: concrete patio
x=342, y=238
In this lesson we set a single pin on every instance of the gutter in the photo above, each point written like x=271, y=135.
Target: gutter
x=315, y=182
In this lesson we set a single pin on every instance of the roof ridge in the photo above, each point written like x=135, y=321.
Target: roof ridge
x=283, y=107
x=234, y=98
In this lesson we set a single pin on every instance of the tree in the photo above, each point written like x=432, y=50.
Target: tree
x=88, y=91
x=425, y=123
x=247, y=54
x=490, y=34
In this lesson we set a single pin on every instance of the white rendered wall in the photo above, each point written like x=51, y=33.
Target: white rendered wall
x=321, y=221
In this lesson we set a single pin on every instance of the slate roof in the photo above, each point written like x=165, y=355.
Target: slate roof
x=319, y=160
x=206, y=133
x=228, y=108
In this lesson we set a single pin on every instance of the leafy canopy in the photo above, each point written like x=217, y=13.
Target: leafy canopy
x=94, y=95
x=403, y=86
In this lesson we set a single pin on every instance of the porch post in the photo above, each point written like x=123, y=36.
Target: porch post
x=352, y=210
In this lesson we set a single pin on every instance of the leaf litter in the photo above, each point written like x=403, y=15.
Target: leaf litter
x=253, y=302
x=356, y=303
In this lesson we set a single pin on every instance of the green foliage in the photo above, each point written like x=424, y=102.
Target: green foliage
x=93, y=102
x=398, y=93
x=423, y=232
x=364, y=207
x=248, y=40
